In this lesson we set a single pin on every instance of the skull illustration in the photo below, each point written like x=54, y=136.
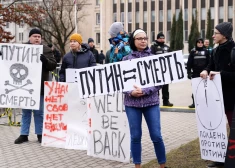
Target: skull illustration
x=18, y=72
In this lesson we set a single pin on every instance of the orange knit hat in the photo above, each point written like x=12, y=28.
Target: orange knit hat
x=76, y=37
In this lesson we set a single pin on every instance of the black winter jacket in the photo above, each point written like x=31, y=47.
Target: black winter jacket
x=49, y=66
x=221, y=61
x=80, y=59
x=197, y=61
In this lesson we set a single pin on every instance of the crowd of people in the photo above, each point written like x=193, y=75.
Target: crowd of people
x=203, y=61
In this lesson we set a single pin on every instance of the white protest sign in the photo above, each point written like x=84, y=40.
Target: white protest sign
x=56, y=108
x=110, y=135
x=144, y=72
x=71, y=76
x=20, y=75
x=77, y=120
x=211, y=119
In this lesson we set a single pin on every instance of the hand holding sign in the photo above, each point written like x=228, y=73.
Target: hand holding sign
x=137, y=92
x=204, y=74
x=43, y=59
x=212, y=74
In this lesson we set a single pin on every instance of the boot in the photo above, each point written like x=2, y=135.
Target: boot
x=191, y=106
x=21, y=139
x=39, y=138
x=167, y=104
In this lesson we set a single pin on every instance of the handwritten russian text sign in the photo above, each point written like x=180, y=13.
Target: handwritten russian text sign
x=20, y=75
x=145, y=72
x=55, y=111
x=211, y=121
x=110, y=137
x=76, y=137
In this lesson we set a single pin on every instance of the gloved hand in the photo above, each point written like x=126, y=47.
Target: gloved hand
x=189, y=76
x=120, y=45
x=43, y=59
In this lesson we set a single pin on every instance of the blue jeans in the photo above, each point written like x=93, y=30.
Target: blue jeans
x=38, y=119
x=152, y=117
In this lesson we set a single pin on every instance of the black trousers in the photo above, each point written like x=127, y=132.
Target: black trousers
x=165, y=93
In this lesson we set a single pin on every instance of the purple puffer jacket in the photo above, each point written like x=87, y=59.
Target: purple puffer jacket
x=151, y=96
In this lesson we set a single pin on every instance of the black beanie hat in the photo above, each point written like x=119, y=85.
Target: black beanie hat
x=225, y=28
x=34, y=31
x=90, y=40
x=160, y=35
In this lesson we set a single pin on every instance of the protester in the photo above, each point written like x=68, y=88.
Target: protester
x=197, y=61
x=107, y=55
x=93, y=50
x=159, y=47
x=221, y=63
x=145, y=102
x=78, y=57
x=48, y=64
x=118, y=42
x=101, y=57
x=207, y=45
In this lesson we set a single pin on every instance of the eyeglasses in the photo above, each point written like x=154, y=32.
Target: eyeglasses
x=216, y=33
x=142, y=38
x=200, y=42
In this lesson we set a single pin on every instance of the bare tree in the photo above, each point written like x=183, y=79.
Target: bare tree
x=58, y=23
x=14, y=13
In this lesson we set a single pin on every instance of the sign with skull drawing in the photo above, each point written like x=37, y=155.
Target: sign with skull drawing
x=20, y=77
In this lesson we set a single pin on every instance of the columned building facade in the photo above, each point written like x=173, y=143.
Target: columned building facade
x=156, y=16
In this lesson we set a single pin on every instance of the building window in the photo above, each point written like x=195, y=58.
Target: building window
x=21, y=36
x=152, y=36
x=168, y=35
x=137, y=17
x=185, y=14
x=185, y=35
x=114, y=1
x=97, y=2
x=21, y=25
x=177, y=12
x=129, y=1
x=152, y=16
x=203, y=13
x=160, y=15
x=203, y=33
x=122, y=1
x=114, y=17
x=145, y=17
x=221, y=12
x=169, y=15
x=212, y=13
x=97, y=38
x=194, y=12
x=230, y=12
x=97, y=18
x=122, y=17
x=129, y=17
x=7, y=24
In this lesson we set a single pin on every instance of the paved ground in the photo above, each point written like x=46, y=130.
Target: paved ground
x=177, y=129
